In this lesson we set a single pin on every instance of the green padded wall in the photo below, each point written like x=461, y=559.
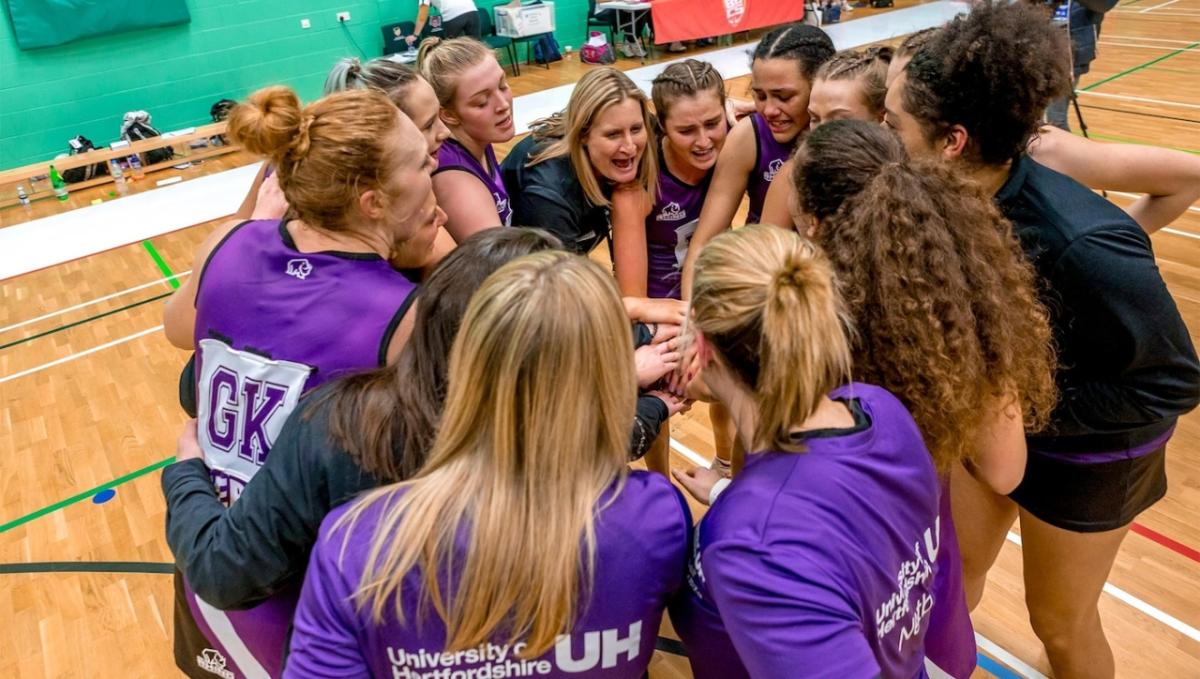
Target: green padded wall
x=230, y=48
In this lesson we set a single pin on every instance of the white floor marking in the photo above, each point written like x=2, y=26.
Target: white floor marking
x=1151, y=9
x=1134, y=602
x=80, y=354
x=1142, y=37
x=1129, y=97
x=81, y=305
x=1014, y=663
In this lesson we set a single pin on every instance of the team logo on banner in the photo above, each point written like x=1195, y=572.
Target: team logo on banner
x=735, y=10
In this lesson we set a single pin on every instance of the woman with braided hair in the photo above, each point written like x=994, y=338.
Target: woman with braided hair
x=851, y=85
x=782, y=70
x=280, y=306
x=652, y=229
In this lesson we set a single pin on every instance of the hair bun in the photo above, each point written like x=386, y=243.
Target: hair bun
x=268, y=123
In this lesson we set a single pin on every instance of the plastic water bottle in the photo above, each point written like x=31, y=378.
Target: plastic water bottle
x=60, y=186
x=22, y=196
x=568, y=52
x=135, y=167
x=118, y=176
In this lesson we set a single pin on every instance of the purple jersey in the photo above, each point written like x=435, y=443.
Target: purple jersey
x=669, y=229
x=770, y=156
x=641, y=554
x=272, y=323
x=455, y=156
x=822, y=563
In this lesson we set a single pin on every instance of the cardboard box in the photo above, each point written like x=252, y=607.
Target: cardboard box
x=522, y=22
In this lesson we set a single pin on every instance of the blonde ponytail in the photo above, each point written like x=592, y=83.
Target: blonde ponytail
x=768, y=302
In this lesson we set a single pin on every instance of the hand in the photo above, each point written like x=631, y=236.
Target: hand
x=410, y=39
x=738, y=108
x=664, y=332
x=675, y=404
x=653, y=361
x=270, y=202
x=689, y=368
x=188, y=445
x=697, y=481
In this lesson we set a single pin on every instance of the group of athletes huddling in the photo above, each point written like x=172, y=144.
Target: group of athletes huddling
x=416, y=402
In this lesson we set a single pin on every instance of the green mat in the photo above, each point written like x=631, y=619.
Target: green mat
x=44, y=23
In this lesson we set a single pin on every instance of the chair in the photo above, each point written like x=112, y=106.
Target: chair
x=487, y=31
x=604, y=24
x=393, y=44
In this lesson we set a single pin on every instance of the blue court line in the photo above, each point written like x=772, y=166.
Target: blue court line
x=996, y=668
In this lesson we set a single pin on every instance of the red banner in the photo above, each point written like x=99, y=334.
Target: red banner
x=693, y=19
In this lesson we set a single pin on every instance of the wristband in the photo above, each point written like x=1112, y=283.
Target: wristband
x=718, y=488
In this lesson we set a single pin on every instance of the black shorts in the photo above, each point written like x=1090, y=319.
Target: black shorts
x=1090, y=498
x=462, y=25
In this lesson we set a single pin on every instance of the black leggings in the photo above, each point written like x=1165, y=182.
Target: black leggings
x=463, y=24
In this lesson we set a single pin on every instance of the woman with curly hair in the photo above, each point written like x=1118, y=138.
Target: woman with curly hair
x=1167, y=181
x=972, y=97
x=944, y=307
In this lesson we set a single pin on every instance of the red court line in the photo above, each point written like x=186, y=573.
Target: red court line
x=1173, y=545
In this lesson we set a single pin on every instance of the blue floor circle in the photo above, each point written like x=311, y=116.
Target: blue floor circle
x=104, y=496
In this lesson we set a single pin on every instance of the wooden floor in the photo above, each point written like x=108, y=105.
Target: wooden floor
x=88, y=402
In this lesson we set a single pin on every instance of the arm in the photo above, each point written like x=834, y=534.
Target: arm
x=1169, y=179
x=1000, y=448
x=1138, y=362
x=468, y=204
x=247, y=207
x=629, y=210
x=422, y=17
x=785, y=614
x=777, y=210
x=324, y=642
x=724, y=194
x=443, y=244
x=179, y=315
x=646, y=310
x=403, y=331
x=237, y=557
x=647, y=421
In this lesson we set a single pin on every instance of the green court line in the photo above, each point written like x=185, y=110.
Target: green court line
x=150, y=567
x=1139, y=67
x=1127, y=140
x=89, y=319
x=162, y=266
x=20, y=521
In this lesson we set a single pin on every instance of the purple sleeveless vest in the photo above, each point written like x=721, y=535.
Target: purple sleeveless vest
x=669, y=229
x=272, y=323
x=455, y=156
x=771, y=155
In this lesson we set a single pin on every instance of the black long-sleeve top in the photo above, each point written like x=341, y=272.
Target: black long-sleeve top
x=1128, y=368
